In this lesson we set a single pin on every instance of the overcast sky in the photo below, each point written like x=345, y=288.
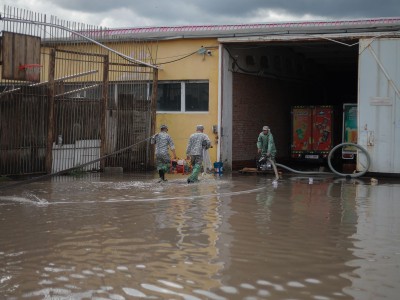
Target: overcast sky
x=135, y=13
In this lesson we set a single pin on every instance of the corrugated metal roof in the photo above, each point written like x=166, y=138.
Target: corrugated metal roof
x=197, y=31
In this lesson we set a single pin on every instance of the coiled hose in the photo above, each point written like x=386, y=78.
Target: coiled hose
x=353, y=175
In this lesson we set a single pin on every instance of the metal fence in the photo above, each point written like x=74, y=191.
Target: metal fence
x=88, y=103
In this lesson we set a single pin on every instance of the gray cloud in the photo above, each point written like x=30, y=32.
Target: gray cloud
x=183, y=12
x=163, y=9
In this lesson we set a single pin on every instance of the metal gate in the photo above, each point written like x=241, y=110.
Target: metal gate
x=82, y=105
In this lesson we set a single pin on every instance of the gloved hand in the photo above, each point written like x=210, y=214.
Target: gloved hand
x=206, y=144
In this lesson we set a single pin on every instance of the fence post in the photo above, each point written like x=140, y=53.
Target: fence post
x=103, y=113
x=153, y=113
x=50, y=116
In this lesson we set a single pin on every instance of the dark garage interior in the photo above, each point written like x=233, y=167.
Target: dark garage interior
x=270, y=78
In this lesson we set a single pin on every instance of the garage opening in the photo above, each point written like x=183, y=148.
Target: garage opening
x=269, y=79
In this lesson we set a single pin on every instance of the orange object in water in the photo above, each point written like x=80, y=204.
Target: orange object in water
x=178, y=166
x=180, y=169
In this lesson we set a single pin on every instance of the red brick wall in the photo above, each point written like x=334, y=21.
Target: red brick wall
x=259, y=101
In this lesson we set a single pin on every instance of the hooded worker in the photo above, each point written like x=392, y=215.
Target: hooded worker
x=163, y=142
x=265, y=143
x=194, y=151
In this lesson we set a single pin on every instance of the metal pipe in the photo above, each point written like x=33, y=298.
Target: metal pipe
x=55, y=80
x=78, y=90
x=83, y=36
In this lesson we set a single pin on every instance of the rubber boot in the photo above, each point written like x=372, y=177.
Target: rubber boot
x=161, y=174
x=165, y=169
x=162, y=169
x=195, y=174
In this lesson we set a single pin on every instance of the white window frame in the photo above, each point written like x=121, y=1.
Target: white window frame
x=183, y=96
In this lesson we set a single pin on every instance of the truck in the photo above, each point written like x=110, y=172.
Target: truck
x=312, y=132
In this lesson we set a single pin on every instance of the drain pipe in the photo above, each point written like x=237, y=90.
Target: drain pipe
x=275, y=168
x=354, y=175
x=303, y=172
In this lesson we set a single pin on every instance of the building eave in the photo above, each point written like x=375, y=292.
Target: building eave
x=258, y=29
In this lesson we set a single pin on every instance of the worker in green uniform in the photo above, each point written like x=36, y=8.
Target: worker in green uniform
x=265, y=143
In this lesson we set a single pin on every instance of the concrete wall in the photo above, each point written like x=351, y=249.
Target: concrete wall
x=226, y=111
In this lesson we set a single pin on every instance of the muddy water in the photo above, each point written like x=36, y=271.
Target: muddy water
x=232, y=237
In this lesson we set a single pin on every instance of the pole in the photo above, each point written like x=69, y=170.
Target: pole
x=103, y=113
x=153, y=113
x=50, y=115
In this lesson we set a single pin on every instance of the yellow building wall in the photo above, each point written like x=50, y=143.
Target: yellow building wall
x=195, y=67
x=173, y=67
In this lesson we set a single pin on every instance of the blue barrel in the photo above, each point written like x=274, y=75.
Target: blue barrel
x=218, y=167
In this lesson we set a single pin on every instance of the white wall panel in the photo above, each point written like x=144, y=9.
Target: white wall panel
x=378, y=103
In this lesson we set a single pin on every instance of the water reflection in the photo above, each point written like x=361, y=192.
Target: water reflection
x=294, y=235
x=376, y=248
x=233, y=237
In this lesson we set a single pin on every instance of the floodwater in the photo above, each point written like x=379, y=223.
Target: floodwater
x=125, y=236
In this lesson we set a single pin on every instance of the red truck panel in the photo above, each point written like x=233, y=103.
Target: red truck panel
x=322, y=128
x=302, y=129
x=312, y=133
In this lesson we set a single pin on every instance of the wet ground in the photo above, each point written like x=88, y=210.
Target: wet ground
x=125, y=236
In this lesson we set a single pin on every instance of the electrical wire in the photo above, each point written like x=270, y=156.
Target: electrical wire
x=186, y=56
